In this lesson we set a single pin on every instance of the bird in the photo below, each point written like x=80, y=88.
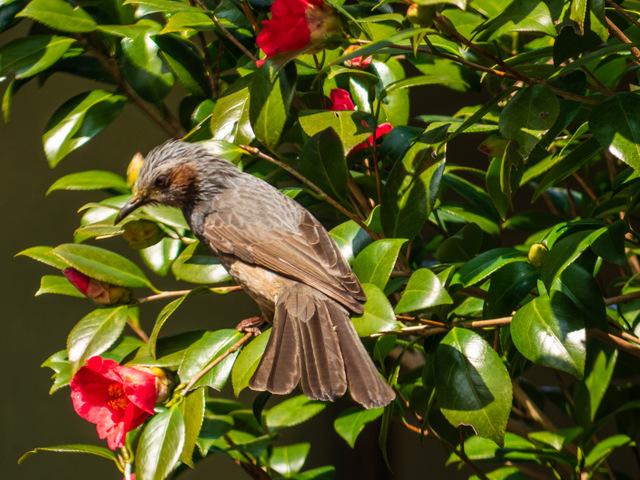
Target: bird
x=283, y=258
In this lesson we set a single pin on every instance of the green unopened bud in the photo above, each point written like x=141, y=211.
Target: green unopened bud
x=421, y=15
x=134, y=167
x=537, y=254
x=142, y=234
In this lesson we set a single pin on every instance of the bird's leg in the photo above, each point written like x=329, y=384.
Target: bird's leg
x=252, y=325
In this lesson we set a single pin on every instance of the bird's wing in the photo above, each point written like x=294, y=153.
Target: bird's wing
x=308, y=255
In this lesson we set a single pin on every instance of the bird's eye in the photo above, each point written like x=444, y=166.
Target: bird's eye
x=162, y=181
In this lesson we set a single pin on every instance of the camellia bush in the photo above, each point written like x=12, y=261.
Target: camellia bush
x=474, y=273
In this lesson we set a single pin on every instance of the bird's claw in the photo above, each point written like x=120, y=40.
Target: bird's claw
x=251, y=325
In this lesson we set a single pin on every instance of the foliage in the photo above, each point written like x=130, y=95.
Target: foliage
x=481, y=271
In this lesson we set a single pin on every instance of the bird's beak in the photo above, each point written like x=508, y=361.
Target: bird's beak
x=134, y=202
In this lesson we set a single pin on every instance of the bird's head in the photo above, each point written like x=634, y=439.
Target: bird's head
x=176, y=173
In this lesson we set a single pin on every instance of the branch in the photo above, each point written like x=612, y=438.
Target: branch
x=616, y=32
x=613, y=340
x=313, y=186
x=179, y=293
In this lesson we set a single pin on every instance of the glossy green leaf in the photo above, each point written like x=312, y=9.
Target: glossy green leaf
x=413, y=186
x=485, y=264
x=550, y=332
x=193, y=409
x=160, y=445
x=378, y=313
x=293, y=411
x=73, y=448
x=289, y=459
x=59, y=15
x=376, y=261
x=269, y=102
x=91, y=180
x=321, y=473
x=45, y=255
x=188, y=21
x=143, y=69
x=472, y=385
x=58, y=285
x=351, y=238
x=159, y=257
x=61, y=373
x=164, y=6
x=605, y=447
x=247, y=362
x=186, y=63
x=462, y=246
x=29, y=56
x=520, y=16
x=615, y=122
x=196, y=265
x=528, y=116
x=461, y=4
x=583, y=290
x=78, y=120
x=558, y=439
x=504, y=473
x=102, y=265
x=205, y=350
x=323, y=162
x=350, y=423
x=588, y=396
x=347, y=124
x=94, y=334
x=424, y=290
x=230, y=118
x=509, y=286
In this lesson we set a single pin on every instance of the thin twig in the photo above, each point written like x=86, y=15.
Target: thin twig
x=613, y=340
x=627, y=297
x=215, y=362
x=138, y=331
x=179, y=293
x=255, y=151
x=623, y=12
x=615, y=31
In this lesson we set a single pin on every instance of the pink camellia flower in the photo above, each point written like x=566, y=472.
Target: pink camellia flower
x=357, y=62
x=341, y=100
x=295, y=25
x=116, y=398
x=102, y=293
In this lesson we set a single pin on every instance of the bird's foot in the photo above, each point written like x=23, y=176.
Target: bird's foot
x=251, y=325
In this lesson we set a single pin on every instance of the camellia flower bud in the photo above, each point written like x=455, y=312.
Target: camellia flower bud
x=537, y=254
x=421, y=15
x=102, y=293
x=356, y=62
x=142, y=233
x=134, y=167
x=296, y=25
x=164, y=381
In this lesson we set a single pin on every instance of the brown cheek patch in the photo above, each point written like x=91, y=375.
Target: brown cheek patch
x=184, y=177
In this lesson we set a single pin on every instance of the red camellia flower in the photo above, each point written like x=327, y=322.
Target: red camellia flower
x=116, y=398
x=294, y=25
x=341, y=100
x=102, y=293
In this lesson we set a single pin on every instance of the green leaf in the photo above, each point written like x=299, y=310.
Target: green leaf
x=550, y=332
x=461, y=4
x=74, y=448
x=293, y=411
x=323, y=162
x=376, y=261
x=378, y=313
x=424, y=290
x=188, y=21
x=462, y=246
x=94, y=334
x=604, y=448
x=269, y=103
x=78, y=120
x=509, y=286
x=352, y=421
x=159, y=257
x=193, y=409
x=45, y=255
x=205, y=350
x=351, y=238
x=58, y=285
x=472, y=385
x=485, y=264
x=320, y=473
x=556, y=440
x=164, y=6
x=583, y=290
x=230, y=117
x=143, y=69
x=59, y=15
x=186, y=63
x=528, y=116
x=91, y=180
x=600, y=364
x=160, y=445
x=413, y=186
x=247, y=362
x=102, y=265
x=29, y=56
x=519, y=16
x=346, y=123
x=615, y=122
x=196, y=265
x=289, y=459
x=61, y=374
